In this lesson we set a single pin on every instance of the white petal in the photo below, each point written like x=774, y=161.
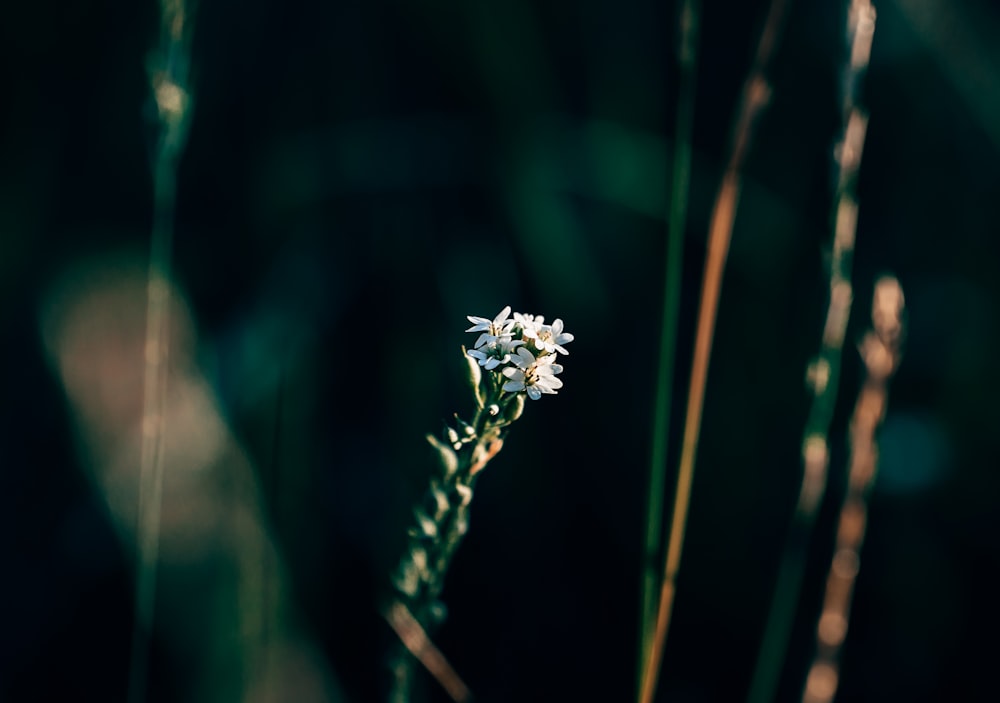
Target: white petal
x=478, y=323
x=525, y=358
x=549, y=380
x=534, y=393
x=502, y=316
x=513, y=386
x=516, y=374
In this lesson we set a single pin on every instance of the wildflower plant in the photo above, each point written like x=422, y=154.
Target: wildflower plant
x=514, y=358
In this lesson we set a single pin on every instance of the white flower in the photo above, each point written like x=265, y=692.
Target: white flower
x=528, y=324
x=534, y=376
x=496, y=352
x=491, y=329
x=550, y=338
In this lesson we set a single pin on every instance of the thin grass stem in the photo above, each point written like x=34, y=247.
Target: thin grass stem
x=880, y=351
x=415, y=639
x=673, y=272
x=755, y=97
x=169, y=79
x=824, y=372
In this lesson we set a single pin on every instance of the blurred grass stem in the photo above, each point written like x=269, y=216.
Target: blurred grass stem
x=756, y=94
x=677, y=220
x=415, y=639
x=824, y=373
x=168, y=77
x=881, y=352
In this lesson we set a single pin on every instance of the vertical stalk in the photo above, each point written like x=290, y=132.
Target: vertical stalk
x=169, y=79
x=881, y=351
x=441, y=524
x=756, y=94
x=673, y=272
x=824, y=373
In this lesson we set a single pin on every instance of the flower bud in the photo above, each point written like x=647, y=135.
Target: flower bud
x=468, y=430
x=437, y=612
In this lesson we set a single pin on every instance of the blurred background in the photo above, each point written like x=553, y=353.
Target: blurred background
x=358, y=178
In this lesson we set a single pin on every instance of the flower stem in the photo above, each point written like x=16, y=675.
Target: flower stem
x=442, y=517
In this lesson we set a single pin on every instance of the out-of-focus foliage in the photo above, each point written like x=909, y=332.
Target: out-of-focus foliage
x=361, y=176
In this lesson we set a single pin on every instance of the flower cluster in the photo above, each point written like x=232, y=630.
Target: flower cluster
x=522, y=348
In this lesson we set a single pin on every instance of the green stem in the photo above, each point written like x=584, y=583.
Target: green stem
x=450, y=523
x=677, y=219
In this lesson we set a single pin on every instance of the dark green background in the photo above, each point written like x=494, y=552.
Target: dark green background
x=362, y=175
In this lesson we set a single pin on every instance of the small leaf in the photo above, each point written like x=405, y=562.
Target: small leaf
x=474, y=375
x=514, y=407
x=449, y=460
x=462, y=523
x=407, y=580
x=426, y=525
x=465, y=494
x=438, y=502
x=419, y=559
